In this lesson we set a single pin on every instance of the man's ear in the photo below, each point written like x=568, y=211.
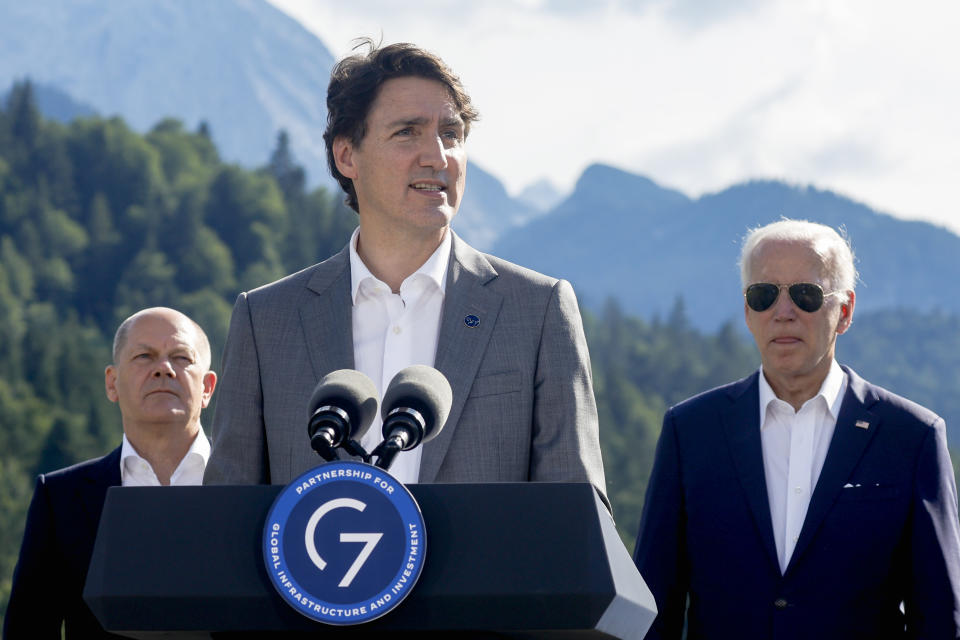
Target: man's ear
x=344, y=158
x=209, y=384
x=846, y=313
x=110, y=382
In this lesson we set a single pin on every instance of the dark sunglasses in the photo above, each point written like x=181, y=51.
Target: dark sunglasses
x=806, y=295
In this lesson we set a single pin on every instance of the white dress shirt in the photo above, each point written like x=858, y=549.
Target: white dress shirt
x=135, y=471
x=392, y=331
x=795, y=445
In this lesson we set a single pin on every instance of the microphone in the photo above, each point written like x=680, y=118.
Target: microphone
x=415, y=408
x=340, y=411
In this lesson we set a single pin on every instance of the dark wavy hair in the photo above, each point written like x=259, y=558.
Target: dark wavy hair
x=355, y=83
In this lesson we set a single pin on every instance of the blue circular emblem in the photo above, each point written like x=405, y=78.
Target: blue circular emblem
x=472, y=321
x=344, y=543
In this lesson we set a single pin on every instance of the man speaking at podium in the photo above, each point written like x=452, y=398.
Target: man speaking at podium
x=161, y=379
x=406, y=290
x=802, y=501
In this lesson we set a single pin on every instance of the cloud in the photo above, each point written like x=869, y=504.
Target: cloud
x=690, y=14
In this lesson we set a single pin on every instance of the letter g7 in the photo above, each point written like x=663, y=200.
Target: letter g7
x=370, y=539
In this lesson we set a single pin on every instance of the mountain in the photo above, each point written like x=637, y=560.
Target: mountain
x=487, y=210
x=243, y=66
x=592, y=238
x=620, y=235
x=542, y=195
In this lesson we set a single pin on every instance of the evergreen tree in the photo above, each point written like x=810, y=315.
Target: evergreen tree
x=23, y=116
x=290, y=177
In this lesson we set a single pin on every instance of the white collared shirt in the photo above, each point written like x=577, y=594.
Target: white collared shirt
x=135, y=471
x=392, y=331
x=795, y=445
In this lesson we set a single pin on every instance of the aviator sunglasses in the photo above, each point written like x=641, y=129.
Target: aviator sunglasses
x=806, y=295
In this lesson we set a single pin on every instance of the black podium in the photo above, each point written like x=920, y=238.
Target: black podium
x=527, y=560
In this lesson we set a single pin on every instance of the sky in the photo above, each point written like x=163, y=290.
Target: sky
x=857, y=96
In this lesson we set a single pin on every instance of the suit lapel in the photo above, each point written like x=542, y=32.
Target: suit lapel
x=460, y=347
x=92, y=491
x=846, y=448
x=327, y=317
x=741, y=423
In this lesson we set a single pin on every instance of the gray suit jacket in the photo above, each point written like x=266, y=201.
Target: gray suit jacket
x=523, y=405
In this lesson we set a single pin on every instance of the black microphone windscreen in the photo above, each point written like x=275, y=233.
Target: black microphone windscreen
x=350, y=391
x=422, y=388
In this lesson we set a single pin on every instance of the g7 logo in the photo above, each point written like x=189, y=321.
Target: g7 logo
x=370, y=539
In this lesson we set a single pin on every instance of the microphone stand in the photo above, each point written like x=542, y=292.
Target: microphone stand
x=406, y=427
x=354, y=448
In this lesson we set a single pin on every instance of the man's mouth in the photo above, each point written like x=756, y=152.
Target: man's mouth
x=427, y=186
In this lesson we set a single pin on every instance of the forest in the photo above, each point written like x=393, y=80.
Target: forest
x=98, y=221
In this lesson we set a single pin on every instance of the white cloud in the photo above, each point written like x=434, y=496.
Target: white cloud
x=858, y=96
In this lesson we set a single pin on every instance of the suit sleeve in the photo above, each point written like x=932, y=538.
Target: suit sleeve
x=239, y=453
x=34, y=609
x=566, y=437
x=659, y=553
x=932, y=603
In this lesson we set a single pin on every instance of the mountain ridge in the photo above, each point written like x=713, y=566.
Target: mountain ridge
x=651, y=245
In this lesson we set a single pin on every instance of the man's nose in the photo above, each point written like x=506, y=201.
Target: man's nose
x=164, y=368
x=784, y=307
x=433, y=153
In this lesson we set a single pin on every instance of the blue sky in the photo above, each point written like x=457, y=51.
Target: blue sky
x=857, y=96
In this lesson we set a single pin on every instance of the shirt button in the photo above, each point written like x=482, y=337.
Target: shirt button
x=780, y=603
x=798, y=490
x=397, y=330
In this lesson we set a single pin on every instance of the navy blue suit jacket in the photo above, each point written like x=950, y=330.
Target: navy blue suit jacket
x=881, y=527
x=57, y=545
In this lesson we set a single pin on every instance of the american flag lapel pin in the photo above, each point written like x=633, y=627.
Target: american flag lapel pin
x=862, y=424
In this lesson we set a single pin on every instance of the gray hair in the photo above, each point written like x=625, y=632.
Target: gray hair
x=202, y=346
x=833, y=248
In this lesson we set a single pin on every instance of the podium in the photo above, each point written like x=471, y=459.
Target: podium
x=509, y=560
